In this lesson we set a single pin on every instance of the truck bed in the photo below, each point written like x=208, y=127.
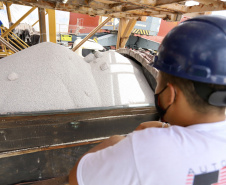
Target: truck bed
x=46, y=145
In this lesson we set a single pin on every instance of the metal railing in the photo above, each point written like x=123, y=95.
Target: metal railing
x=11, y=43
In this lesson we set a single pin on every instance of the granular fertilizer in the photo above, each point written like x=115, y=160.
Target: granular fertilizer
x=48, y=77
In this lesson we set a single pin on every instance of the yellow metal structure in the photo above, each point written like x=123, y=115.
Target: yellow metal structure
x=1, y=5
x=52, y=25
x=18, y=22
x=125, y=28
x=42, y=24
x=8, y=11
x=11, y=43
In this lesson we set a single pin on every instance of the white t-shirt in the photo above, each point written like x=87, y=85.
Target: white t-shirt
x=193, y=155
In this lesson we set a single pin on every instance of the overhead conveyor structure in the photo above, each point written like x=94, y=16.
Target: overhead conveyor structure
x=166, y=9
x=129, y=11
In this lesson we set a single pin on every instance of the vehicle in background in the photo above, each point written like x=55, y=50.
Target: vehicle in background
x=90, y=46
x=147, y=34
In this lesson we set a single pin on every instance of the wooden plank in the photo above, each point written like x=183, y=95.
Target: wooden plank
x=91, y=34
x=46, y=148
x=18, y=133
x=40, y=165
x=53, y=181
x=127, y=8
x=45, y=117
x=201, y=8
x=165, y=2
x=145, y=10
x=105, y=1
x=66, y=137
x=121, y=29
x=141, y=2
x=8, y=12
x=207, y=2
x=209, y=6
x=42, y=24
x=43, y=136
x=150, y=2
x=174, y=7
x=127, y=32
x=100, y=5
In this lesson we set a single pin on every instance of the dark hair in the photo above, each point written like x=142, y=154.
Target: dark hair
x=188, y=89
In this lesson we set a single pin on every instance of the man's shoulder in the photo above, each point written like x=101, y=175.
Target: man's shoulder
x=153, y=134
x=179, y=131
x=177, y=136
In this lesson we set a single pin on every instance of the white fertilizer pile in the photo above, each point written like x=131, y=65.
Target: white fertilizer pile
x=120, y=80
x=48, y=76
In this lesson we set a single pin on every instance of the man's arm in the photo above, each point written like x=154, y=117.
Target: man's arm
x=110, y=142
x=149, y=124
x=106, y=143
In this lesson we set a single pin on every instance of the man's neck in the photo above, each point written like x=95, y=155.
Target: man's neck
x=192, y=117
x=181, y=113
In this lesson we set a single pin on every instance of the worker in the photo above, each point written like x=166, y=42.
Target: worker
x=1, y=45
x=1, y=25
x=191, y=96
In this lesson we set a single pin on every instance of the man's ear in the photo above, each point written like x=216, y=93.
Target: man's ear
x=171, y=93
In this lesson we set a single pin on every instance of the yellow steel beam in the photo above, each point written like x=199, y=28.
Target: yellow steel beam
x=18, y=39
x=8, y=11
x=8, y=45
x=18, y=22
x=1, y=5
x=24, y=44
x=14, y=44
x=91, y=34
x=52, y=25
x=19, y=42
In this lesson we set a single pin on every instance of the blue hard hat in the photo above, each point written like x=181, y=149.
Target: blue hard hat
x=195, y=50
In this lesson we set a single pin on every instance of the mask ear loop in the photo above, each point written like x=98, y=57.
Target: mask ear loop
x=171, y=103
x=161, y=93
x=168, y=107
x=173, y=100
x=162, y=90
